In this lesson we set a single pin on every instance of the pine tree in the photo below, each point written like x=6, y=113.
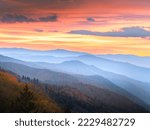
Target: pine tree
x=25, y=102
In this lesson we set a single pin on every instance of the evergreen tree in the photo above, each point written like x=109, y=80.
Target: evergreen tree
x=25, y=102
x=2, y=108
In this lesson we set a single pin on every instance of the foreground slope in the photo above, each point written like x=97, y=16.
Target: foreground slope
x=20, y=97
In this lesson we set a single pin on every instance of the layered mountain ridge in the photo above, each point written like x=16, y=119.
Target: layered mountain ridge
x=94, y=76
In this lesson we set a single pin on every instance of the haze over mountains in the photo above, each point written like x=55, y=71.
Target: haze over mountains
x=136, y=60
x=93, y=75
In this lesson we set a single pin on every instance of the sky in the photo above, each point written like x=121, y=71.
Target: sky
x=94, y=26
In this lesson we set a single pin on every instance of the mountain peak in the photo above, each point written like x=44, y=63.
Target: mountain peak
x=73, y=62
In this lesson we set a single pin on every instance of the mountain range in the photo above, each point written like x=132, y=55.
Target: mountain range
x=135, y=60
x=99, y=77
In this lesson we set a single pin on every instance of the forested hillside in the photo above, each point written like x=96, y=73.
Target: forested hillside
x=22, y=94
x=22, y=97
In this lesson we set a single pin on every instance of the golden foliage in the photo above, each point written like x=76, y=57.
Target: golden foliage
x=10, y=96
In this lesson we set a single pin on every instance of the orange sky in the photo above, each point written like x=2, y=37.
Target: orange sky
x=114, y=26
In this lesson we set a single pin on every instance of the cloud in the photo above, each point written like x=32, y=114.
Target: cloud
x=9, y=18
x=13, y=18
x=96, y=8
x=36, y=6
x=90, y=19
x=39, y=30
x=51, y=18
x=124, y=32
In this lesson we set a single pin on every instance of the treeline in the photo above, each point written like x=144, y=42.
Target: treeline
x=21, y=97
x=68, y=98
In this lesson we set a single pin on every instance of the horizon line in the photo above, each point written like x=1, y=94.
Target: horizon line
x=71, y=51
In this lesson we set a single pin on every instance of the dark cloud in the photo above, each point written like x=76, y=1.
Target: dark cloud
x=8, y=18
x=35, y=8
x=124, y=32
x=32, y=5
x=90, y=19
x=13, y=18
x=51, y=18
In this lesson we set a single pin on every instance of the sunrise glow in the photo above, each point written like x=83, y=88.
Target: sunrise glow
x=114, y=27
